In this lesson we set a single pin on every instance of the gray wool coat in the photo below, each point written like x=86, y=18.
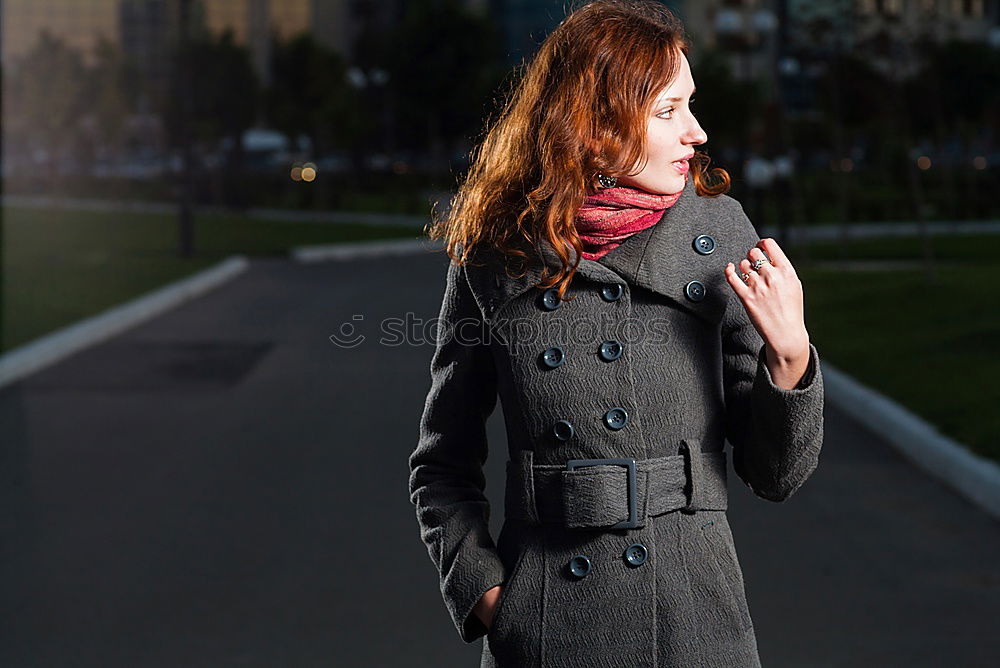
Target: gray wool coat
x=656, y=361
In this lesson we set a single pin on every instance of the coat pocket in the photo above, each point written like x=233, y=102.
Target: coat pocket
x=509, y=589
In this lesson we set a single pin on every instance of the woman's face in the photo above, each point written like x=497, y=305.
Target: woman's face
x=672, y=132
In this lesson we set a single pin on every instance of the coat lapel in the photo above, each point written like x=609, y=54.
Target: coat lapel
x=662, y=259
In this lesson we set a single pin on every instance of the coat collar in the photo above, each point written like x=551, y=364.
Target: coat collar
x=661, y=259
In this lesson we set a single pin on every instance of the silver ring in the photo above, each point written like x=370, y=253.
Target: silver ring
x=757, y=263
x=746, y=277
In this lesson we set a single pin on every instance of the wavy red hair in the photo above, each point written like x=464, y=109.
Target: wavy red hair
x=579, y=109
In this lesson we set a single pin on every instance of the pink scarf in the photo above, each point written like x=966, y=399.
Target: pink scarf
x=609, y=217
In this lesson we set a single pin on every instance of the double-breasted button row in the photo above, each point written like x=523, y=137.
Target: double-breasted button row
x=609, y=293
x=635, y=555
x=703, y=244
x=615, y=419
x=609, y=351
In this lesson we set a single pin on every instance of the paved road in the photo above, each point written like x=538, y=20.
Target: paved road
x=223, y=486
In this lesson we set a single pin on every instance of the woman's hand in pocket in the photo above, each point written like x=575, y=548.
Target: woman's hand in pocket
x=487, y=605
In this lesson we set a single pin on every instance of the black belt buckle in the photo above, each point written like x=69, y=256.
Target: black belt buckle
x=629, y=463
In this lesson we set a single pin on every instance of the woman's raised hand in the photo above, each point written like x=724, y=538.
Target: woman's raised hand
x=772, y=297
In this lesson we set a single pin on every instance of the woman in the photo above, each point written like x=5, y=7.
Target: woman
x=626, y=348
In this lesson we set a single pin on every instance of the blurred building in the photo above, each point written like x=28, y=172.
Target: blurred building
x=145, y=28
x=755, y=32
x=525, y=23
x=966, y=20
x=80, y=24
x=892, y=28
x=788, y=41
x=745, y=31
x=791, y=41
x=255, y=22
x=147, y=31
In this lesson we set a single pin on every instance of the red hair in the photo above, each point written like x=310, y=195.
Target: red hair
x=579, y=109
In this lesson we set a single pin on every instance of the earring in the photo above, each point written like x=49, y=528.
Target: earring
x=607, y=181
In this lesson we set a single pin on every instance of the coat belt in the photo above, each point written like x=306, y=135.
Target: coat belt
x=600, y=493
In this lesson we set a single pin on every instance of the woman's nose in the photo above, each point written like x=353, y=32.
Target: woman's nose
x=696, y=135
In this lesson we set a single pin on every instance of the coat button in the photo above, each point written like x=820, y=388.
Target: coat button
x=553, y=357
x=635, y=554
x=704, y=244
x=611, y=350
x=563, y=430
x=579, y=565
x=616, y=418
x=550, y=299
x=612, y=292
x=695, y=291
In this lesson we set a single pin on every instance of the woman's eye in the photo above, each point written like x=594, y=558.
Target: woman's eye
x=667, y=111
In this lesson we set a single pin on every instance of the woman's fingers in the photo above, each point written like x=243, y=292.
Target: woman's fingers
x=774, y=260
x=765, y=267
x=735, y=280
x=773, y=250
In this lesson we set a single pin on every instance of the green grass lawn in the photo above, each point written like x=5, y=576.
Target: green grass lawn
x=930, y=346
x=62, y=266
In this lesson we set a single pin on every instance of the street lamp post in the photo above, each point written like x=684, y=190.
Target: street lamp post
x=183, y=64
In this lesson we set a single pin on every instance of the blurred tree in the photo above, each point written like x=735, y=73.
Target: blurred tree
x=223, y=94
x=445, y=64
x=112, y=87
x=851, y=92
x=851, y=100
x=45, y=97
x=728, y=109
x=955, y=99
x=892, y=45
x=310, y=95
x=724, y=104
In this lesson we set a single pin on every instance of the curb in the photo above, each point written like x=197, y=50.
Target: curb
x=363, y=249
x=974, y=477
x=50, y=348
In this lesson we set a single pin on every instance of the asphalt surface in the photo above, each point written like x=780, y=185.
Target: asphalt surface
x=225, y=486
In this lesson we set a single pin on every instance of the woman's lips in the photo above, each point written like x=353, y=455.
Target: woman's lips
x=682, y=166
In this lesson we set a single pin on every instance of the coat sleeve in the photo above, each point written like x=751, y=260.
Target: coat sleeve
x=776, y=434
x=446, y=479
